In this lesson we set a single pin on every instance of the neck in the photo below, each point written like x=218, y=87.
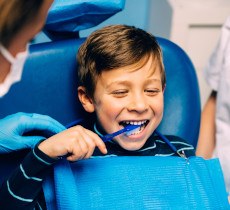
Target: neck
x=98, y=130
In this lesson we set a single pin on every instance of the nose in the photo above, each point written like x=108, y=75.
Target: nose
x=137, y=103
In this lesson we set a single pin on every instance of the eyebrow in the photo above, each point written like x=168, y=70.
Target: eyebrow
x=121, y=82
x=153, y=80
x=127, y=83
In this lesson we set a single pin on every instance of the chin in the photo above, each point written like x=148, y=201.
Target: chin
x=134, y=146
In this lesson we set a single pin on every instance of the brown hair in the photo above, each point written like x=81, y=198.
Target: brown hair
x=115, y=46
x=14, y=14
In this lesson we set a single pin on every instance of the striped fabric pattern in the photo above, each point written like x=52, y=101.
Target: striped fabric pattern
x=23, y=190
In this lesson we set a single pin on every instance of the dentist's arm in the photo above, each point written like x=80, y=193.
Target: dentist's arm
x=14, y=127
x=207, y=140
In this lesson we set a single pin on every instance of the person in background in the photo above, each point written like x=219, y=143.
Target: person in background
x=122, y=80
x=20, y=21
x=214, y=138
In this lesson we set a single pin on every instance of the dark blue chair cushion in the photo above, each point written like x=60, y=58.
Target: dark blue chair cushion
x=182, y=97
x=49, y=83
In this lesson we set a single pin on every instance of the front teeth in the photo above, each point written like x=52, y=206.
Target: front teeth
x=137, y=130
x=135, y=122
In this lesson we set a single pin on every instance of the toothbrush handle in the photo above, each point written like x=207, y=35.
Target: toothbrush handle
x=109, y=137
x=166, y=141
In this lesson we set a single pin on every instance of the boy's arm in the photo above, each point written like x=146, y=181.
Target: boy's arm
x=21, y=190
x=207, y=139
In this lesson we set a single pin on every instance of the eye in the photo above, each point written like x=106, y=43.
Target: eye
x=120, y=93
x=152, y=92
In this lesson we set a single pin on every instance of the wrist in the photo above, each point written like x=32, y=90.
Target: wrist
x=44, y=151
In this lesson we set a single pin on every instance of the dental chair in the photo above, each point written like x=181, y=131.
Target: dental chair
x=49, y=86
x=49, y=81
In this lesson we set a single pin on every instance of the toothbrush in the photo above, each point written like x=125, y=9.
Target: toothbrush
x=128, y=128
x=108, y=137
x=104, y=138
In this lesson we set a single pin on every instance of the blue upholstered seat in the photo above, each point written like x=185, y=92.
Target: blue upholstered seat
x=49, y=86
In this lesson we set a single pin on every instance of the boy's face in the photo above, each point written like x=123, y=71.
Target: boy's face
x=125, y=95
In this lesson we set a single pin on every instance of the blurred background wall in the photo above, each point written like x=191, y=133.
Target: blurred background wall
x=192, y=24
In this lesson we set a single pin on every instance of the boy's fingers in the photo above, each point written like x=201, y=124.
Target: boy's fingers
x=98, y=142
x=91, y=141
x=81, y=149
x=85, y=145
x=101, y=145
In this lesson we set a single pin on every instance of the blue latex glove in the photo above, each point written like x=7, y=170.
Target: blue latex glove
x=14, y=127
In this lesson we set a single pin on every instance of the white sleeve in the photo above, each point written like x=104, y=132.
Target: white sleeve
x=216, y=61
x=223, y=117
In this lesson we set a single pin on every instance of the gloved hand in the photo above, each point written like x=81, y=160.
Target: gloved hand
x=14, y=127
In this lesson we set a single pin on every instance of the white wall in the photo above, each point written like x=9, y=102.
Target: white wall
x=194, y=25
x=135, y=13
x=160, y=17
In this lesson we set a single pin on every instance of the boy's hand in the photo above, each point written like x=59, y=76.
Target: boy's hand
x=77, y=141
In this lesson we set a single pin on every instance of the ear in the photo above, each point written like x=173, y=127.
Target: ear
x=85, y=100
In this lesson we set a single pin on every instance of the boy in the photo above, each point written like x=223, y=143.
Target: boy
x=122, y=81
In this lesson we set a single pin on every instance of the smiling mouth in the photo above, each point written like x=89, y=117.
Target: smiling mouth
x=142, y=123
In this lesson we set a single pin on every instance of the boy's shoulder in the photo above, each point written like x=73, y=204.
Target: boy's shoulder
x=179, y=143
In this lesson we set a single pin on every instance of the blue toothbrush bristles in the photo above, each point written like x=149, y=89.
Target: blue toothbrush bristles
x=125, y=130
x=131, y=129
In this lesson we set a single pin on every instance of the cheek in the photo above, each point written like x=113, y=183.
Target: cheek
x=107, y=114
x=158, y=106
x=106, y=108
